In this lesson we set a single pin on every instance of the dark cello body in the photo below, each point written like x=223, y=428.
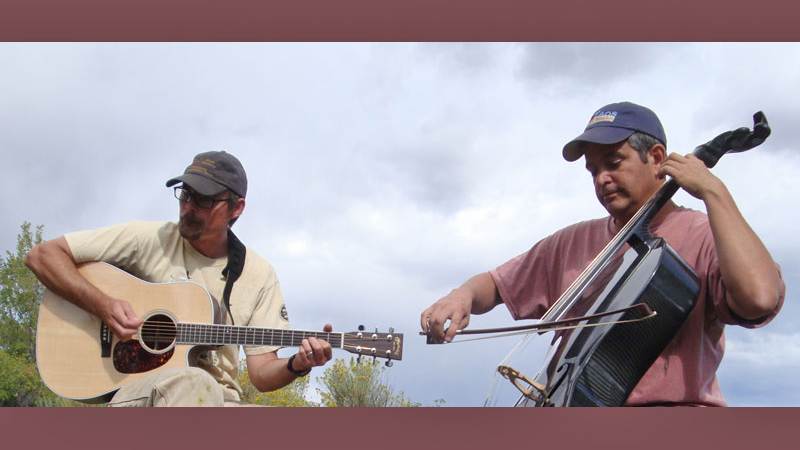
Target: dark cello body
x=600, y=366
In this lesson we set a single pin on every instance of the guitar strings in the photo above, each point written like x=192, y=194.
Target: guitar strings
x=166, y=332
x=160, y=334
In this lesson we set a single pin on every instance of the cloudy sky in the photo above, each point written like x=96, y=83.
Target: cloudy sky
x=384, y=175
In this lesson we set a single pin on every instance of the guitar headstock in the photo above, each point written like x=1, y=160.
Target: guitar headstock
x=376, y=345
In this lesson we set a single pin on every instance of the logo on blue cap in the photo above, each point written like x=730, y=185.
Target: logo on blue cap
x=614, y=123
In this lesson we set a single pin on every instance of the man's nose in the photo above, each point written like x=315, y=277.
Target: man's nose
x=190, y=205
x=602, y=177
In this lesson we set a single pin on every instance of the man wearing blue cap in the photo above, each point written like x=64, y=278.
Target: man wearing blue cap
x=200, y=248
x=624, y=149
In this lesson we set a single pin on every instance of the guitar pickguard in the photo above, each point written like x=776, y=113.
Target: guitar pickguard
x=130, y=357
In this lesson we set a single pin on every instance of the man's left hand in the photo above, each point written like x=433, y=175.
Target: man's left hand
x=691, y=174
x=313, y=352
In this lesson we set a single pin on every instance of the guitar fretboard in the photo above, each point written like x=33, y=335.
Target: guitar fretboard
x=210, y=334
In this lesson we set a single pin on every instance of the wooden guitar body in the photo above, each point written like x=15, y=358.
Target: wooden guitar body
x=69, y=341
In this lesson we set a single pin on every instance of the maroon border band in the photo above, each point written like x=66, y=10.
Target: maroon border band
x=397, y=20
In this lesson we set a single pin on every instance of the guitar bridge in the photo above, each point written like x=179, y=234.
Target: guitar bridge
x=105, y=340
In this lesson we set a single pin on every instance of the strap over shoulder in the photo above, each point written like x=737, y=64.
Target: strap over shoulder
x=232, y=271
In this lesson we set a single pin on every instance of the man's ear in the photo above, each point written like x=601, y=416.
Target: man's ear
x=659, y=154
x=238, y=208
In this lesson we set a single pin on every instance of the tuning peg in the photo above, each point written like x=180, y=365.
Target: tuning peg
x=389, y=363
x=361, y=328
x=358, y=359
x=374, y=353
x=391, y=330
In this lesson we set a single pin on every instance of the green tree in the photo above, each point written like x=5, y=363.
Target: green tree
x=20, y=384
x=358, y=384
x=293, y=394
x=20, y=293
x=343, y=384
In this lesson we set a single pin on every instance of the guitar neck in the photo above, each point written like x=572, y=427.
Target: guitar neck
x=212, y=334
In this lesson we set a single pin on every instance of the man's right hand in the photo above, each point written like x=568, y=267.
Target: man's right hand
x=455, y=307
x=119, y=316
x=477, y=296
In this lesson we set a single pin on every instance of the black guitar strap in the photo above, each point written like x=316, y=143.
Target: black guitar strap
x=231, y=272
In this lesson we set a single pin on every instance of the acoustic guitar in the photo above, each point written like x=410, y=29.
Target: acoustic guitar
x=79, y=358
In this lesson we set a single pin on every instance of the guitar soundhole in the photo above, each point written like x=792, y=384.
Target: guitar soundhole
x=131, y=357
x=157, y=334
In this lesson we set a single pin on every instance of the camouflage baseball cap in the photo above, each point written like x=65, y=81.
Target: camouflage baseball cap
x=212, y=172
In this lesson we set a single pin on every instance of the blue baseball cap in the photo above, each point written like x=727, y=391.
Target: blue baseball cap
x=614, y=123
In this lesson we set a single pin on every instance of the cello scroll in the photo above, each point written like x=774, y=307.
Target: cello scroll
x=734, y=141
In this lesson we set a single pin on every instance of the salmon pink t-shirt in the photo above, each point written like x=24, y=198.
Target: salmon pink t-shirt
x=685, y=372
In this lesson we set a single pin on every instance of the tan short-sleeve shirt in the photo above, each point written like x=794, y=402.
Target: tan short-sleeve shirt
x=156, y=252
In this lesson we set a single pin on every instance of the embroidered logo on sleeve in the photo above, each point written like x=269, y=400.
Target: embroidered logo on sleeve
x=284, y=313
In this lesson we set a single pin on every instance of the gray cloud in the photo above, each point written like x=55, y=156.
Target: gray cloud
x=593, y=64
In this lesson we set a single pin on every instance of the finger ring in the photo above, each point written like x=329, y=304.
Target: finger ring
x=309, y=353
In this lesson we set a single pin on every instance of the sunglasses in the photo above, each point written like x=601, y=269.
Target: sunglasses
x=202, y=201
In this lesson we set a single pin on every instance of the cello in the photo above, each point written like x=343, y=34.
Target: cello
x=617, y=317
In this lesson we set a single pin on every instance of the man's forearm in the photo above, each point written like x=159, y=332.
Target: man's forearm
x=747, y=268
x=483, y=292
